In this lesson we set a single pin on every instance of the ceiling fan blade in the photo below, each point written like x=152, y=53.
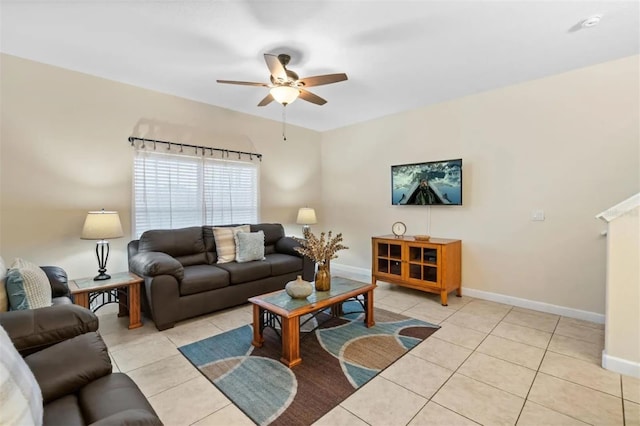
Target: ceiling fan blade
x=275, y=67
x=319, y=80
x=242, y=83
x=310, y=97
x=267, y=100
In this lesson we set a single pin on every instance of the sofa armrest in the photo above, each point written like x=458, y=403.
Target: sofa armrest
x=154, y=263
x=287, y=245
x=58, y=280
x=34, y=329
x=67, y=366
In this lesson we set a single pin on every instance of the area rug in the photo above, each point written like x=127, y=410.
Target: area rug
x=341, y=355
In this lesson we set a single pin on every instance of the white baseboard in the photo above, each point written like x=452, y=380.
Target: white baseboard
x=535, y=305
x=363, y=274
x=352, y=272
x=619, y=365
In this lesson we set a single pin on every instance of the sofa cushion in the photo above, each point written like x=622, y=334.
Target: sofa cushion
x=63, y=411
x=88, y=355
x=272, y=233
x=20, y=396
x=114, y=394
x=185, y=244
x=244, y=272
x=27, y=286
x=249, y=246
x=283, y=263
x=225, y=241
x=4, y=300
x=199, y=278
x=35, y=329
x=209, y=244
x=58, y=281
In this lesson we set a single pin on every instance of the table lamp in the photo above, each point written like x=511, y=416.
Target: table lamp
x=101, y=225
x=306, y=217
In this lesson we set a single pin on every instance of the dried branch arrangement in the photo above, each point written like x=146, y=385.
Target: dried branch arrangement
x=322, y=249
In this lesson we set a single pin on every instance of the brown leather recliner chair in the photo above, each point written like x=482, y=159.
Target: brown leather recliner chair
x=35, y=329
x=71, y=364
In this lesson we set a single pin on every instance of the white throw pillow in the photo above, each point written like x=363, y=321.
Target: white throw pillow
x=4, y=300
x=225, y=241
x=20, y=395
x=27, y=286
x=249, y=246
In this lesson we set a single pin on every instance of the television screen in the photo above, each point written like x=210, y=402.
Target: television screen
x=429, y=183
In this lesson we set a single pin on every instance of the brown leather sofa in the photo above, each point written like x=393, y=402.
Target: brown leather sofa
x=182, y=279
x=71, y=364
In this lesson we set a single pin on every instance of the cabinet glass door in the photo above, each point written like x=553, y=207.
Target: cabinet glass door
x=423, y=263
x=389, y=258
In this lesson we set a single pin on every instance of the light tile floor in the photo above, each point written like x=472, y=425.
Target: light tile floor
x=489, y=364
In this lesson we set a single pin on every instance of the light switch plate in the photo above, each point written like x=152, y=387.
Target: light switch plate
x=537, y=215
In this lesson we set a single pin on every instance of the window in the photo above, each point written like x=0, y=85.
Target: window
x=175, y=191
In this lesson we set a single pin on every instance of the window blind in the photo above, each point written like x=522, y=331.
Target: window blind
x=175, y=191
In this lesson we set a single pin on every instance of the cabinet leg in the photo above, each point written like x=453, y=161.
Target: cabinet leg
x=443, y=298
x=459, y=292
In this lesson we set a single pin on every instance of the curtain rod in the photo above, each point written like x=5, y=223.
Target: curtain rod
x=196, y=147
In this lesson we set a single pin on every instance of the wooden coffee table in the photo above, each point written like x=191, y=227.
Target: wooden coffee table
x=121, y=285
x=290, y=310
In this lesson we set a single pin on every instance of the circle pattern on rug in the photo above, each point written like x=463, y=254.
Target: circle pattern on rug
x=375, y=352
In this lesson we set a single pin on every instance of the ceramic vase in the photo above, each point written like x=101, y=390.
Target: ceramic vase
x=323, y=278
x=299, y=288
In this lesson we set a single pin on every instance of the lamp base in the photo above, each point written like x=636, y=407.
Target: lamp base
x=102, y=253
x=102, y=276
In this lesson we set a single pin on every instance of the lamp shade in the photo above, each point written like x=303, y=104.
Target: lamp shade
x=284, y=94
x=306, y=216
x=101, y=225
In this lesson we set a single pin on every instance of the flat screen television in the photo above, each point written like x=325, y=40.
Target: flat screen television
x=429, y=183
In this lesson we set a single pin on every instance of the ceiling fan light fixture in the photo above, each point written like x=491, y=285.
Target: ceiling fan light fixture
x=284, y=94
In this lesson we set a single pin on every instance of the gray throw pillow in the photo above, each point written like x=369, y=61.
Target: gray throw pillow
x=249, y=246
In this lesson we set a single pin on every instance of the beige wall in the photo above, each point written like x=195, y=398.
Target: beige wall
x=622, y=333
x=64, y=152
x=568, y=144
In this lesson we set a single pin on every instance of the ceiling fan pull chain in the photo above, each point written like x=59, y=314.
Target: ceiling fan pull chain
x=284, y=122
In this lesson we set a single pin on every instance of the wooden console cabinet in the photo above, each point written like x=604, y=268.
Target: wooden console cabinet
x=433, y=265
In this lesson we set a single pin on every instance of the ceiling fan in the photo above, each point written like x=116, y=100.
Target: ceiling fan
x=286, y=86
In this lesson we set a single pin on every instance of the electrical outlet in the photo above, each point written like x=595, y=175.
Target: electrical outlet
x=537, y=215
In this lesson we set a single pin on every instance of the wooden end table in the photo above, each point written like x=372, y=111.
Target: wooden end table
x=121, y=285
x=290, y=310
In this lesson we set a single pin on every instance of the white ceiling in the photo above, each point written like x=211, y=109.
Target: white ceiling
x=399, y=55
